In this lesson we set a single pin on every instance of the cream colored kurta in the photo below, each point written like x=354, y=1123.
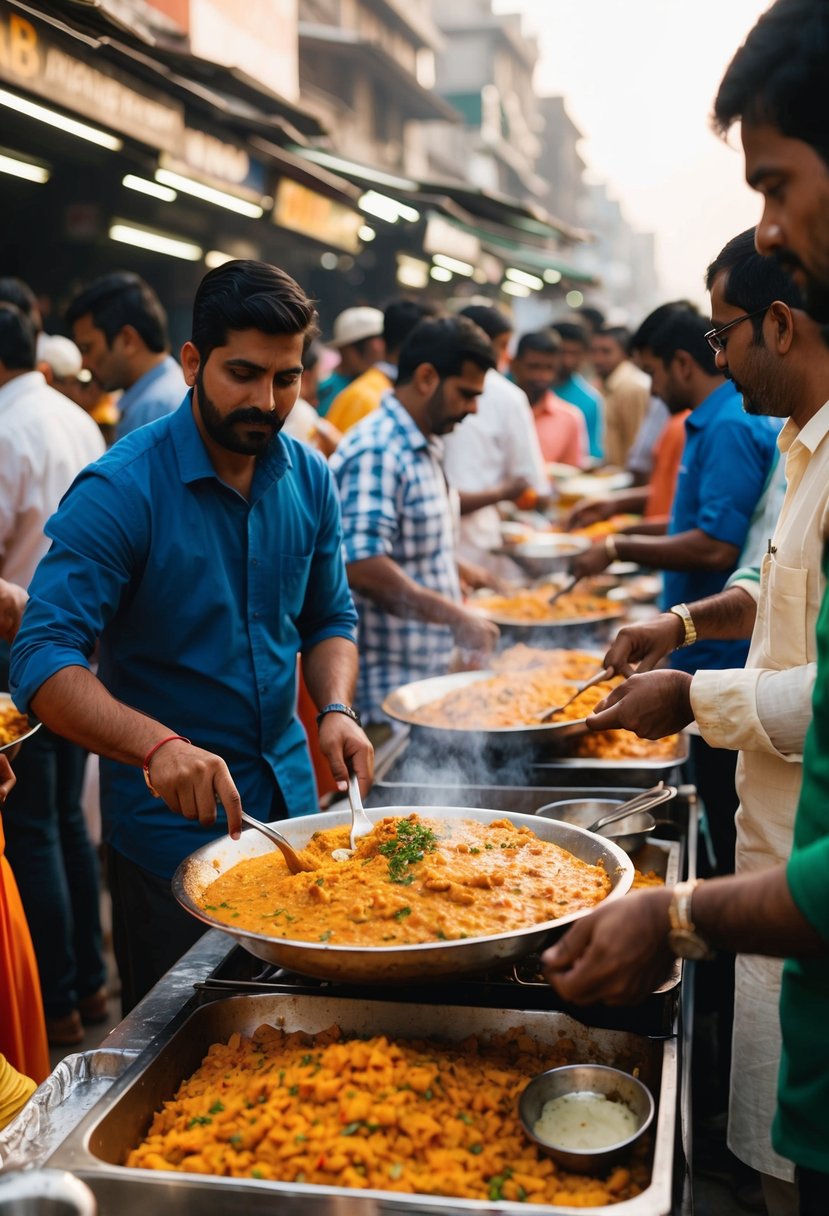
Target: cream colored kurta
x=759, y=710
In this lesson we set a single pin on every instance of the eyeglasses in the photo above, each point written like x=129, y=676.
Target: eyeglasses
x=713, y=336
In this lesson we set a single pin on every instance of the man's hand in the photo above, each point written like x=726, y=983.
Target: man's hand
x=347, y=749
x=7, y=778
x=645, y=645
x=589, y=511
x=653, y=705
x=593, y=561
x=513, y=488
x=193, y=781
x=618, y=954
x=13, y=600
x=478, y=578
x=475, y=633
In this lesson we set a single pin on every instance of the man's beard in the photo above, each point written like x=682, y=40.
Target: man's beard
x=438, y=422
x=815, y=290
x=229, y=431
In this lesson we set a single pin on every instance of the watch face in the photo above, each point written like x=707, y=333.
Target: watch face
x=686, y=944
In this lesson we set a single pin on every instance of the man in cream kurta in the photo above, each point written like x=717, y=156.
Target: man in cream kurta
x=781, y=365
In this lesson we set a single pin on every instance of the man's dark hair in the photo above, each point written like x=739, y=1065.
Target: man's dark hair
x=779, y=75
x=15, y=291
x=491, y=320
x=618, y=333
x=545, y=342
x=593, y=316
x=571, y=331
x=249, y=295
x=120, y=299
x=641, y=340
x=399, y=319
x=752, y=281
x=18, y=339
x=683, y=329
x=446, y=343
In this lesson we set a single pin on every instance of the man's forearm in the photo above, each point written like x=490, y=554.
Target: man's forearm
x=755, y=914
x=330, y=671
x=692, y=550
x=74, y=704
x=381, y=580
x=728, y=616
x=476, y=500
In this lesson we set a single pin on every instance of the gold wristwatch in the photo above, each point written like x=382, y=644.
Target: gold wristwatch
x=684, y=614
x=683, y=937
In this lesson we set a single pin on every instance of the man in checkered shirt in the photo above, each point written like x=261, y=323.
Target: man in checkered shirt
x=400, y=518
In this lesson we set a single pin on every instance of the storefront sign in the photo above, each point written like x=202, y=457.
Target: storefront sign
x=443, y=237
x=33, y=59
x=218, y=163
x=315, y=215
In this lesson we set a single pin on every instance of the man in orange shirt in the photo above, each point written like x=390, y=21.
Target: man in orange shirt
x=366, y=392
x=561, y=428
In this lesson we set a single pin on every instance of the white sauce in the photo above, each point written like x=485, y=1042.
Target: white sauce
x=585, y=1121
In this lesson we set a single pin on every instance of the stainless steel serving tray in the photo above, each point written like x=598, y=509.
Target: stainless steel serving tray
x=642, y=771
x=588, y=620
x=405, y=701
x=97, y=1148
x=5, y=704
x=392, y=964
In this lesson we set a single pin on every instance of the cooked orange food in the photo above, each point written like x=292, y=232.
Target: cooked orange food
x=413, y=1117
x=12, y=725
x=410, y=880
x=532, y=604
x=606, y=527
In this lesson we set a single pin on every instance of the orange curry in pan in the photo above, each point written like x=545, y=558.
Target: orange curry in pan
x=410, y=881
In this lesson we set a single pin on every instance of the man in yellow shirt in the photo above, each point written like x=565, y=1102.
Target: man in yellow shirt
x=366, y=392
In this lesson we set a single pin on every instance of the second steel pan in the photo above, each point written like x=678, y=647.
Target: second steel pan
x=393, y=964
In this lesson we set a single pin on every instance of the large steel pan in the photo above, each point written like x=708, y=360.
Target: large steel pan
x=405, y=701
x=392, y=964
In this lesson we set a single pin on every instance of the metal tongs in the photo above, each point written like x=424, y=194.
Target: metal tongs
x=361, y=825
x=548, y=714
x=643, y=801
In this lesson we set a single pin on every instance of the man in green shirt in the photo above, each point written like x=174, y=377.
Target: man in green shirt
x=778, y=86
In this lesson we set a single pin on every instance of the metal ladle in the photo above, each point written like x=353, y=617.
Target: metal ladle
x=361, y=825
x=548, y=714
x=297, y=863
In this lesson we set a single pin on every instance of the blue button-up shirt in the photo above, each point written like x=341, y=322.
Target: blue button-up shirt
x=726, y=462
x=201, y=600
x=158, y=392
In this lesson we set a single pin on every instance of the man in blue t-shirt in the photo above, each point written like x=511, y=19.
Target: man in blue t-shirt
x=572, y=387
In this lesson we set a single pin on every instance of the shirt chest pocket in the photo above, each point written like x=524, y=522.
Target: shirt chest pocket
x=785, y=615
x=294, y=572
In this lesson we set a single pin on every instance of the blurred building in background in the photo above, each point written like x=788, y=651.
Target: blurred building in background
x=368, y=146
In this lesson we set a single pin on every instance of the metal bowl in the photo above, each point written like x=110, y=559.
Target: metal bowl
x=614, y=1084
x=45, y=1193
x=628, y=833
x=7, y=703
x=546, y=553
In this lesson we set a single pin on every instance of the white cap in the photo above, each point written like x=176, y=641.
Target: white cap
x=356, y=324
x=61, y=354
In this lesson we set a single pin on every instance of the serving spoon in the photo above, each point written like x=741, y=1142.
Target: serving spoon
x=361, y=825
x=297, y=863
x=547, y=715
x=565, y=588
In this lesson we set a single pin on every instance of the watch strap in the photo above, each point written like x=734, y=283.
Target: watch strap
x=679, y=909
x=337, y=707
x=684, y=614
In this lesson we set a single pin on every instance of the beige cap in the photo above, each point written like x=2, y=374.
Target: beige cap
x=357, y=324
x=61, y=354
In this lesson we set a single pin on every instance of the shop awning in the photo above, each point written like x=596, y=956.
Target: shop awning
x=527, y=218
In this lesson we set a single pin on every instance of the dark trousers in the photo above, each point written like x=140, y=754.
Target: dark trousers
x=56, y=868
x=150, y=929
x=813, y=1187
x=715, y=770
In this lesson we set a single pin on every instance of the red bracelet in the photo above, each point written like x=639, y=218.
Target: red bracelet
x=149, y=756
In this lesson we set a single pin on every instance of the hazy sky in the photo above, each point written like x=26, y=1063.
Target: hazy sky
x=639, y=77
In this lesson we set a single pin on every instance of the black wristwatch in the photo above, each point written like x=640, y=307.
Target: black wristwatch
x=337, y=707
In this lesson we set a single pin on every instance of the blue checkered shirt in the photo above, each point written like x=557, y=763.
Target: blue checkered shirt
x=396, y=503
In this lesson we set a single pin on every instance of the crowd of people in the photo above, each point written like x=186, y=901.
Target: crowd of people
x=215, y=569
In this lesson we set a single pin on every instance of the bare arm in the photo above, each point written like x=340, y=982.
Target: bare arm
x=692, y=550
x=381, y=580
x=330, y=671
x=505, y=491
x=74, y=703
x=620, y=502
x=620, y=952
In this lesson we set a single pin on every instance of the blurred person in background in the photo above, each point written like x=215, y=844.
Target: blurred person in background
x=358, y=337
x=573, y=387
x=120, y=328
x=561, y=429
x=496, y=456
x=627, y=394
x=45, y=441
x=400, y=518
x=365, y=393
x=303, y=422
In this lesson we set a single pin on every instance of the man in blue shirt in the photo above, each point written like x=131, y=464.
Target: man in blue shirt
x=202, y=553
x=571, y=385
x=120, y=327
